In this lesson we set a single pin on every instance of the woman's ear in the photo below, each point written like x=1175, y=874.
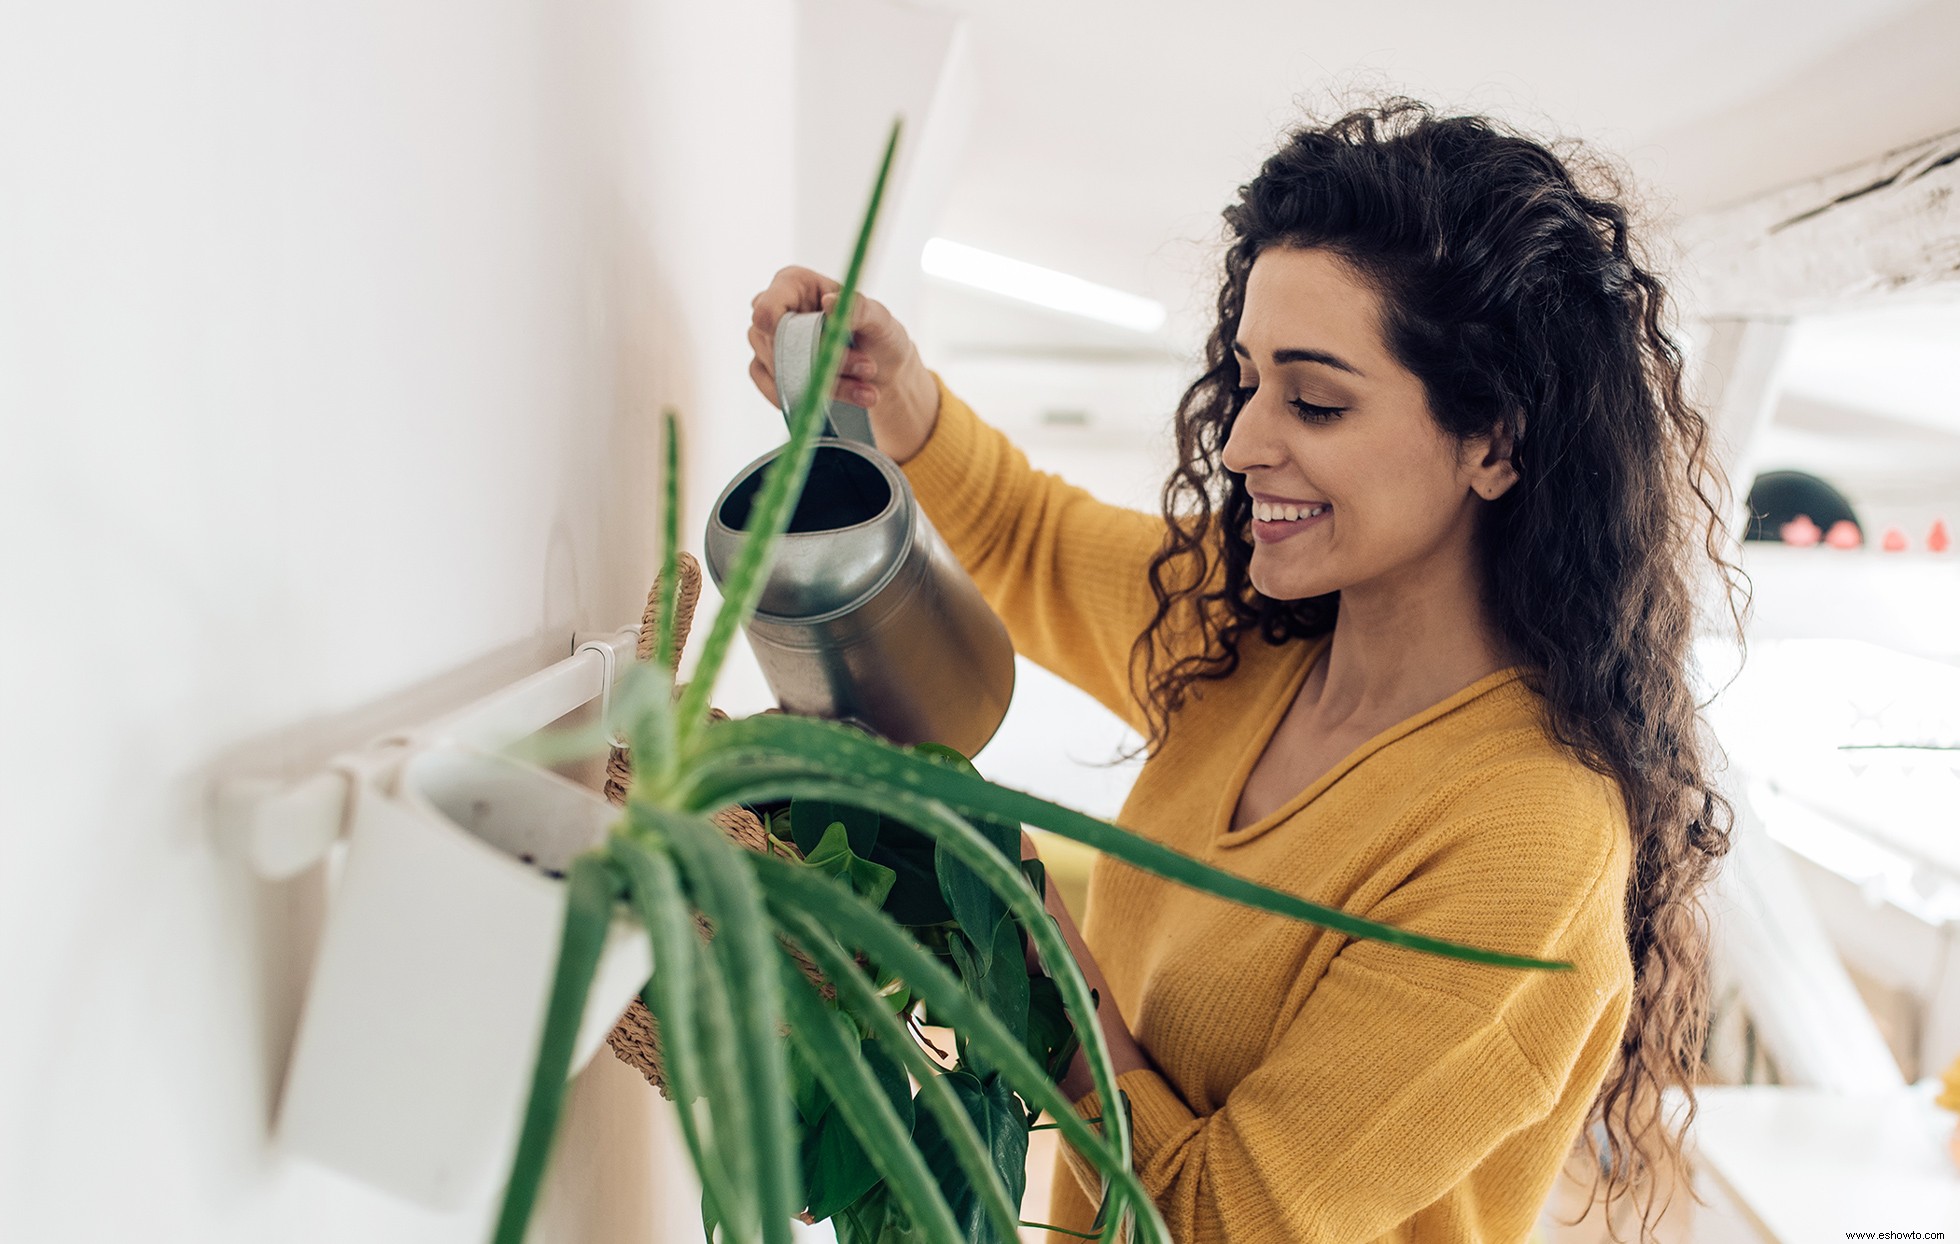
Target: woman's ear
x=1491, y=462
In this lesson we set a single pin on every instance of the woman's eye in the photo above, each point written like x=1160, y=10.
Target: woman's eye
x=1316, y=414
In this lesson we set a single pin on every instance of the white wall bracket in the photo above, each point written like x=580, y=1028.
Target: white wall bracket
x=280, y=829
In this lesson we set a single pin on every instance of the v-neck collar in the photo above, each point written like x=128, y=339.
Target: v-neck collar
x=1222, y=833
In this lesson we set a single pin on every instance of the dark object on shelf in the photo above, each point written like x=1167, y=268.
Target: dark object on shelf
x=1778, y=497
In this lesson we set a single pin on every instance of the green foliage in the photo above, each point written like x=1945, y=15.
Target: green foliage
x=911, y=898
x=833, y=855
x=998, y=1117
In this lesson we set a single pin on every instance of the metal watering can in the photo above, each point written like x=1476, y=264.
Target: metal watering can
x=867, y=616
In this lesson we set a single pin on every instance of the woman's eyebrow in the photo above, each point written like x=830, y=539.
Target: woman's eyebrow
x=1305, y=356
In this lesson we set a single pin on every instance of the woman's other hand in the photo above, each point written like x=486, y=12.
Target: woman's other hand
x=882, y=370
x=1125, y=1054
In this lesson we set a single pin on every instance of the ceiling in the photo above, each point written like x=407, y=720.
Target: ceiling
x=1111, y=132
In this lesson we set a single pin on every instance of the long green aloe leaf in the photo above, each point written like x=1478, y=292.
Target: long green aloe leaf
x=894, y=950
x=734, y=750
x=670, y=996
x=667, y=619
x=730, y=1095
x=858, y=996
x=854, y=1093
x=642, y=716
x=725, y=1080
x=725, y=890
x=591, y=886
x=769, y=517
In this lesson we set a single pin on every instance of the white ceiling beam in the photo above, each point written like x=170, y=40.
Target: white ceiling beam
x=1860, y=236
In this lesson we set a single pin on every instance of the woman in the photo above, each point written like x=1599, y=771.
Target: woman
x=1408, y=638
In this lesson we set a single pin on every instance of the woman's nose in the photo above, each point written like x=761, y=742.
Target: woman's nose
x=1250, y=444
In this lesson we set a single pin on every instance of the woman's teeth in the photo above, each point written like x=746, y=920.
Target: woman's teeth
x=1285, y=513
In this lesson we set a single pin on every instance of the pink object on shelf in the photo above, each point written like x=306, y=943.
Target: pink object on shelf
x=1936, y=539
x=1800, y=531
x=1894, y=541
x=1843, y=535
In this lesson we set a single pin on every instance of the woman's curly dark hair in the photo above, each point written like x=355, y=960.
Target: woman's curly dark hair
x=1513, y=295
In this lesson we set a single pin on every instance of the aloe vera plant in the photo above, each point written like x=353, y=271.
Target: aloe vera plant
x=744, y=1095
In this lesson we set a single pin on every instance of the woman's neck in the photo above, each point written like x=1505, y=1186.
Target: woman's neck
x=1401, y=646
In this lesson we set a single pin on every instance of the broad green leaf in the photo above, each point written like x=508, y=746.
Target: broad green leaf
x=812, y=1103
x=1000, y=980
x=878, y=1218
x=784, y=480
x=974, y=904
x=1037, y=874
x=955, y=1131
x=655, y=890
x=834, y=858
x=859, y=1099
x=792, y=887
x=836, y=1171
x=809, y=819
x=836, y=1168
x=915, y=898
x=1051, y=1038
x=725, y=890
x=781, y=743
x=591, y=885
x=991, y=1109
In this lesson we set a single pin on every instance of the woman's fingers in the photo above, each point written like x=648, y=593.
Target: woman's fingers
x=764, y=381
x=764, y=346
x=791, y=289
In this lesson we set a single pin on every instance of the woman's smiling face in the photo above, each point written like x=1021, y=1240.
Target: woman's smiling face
x=1336, y=425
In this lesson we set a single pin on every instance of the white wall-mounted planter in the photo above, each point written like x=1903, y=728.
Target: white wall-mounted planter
x=415, y=1050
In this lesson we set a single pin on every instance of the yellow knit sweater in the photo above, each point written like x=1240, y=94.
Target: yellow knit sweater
x=1310, y=1087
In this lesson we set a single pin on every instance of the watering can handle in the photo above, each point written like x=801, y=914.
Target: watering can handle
x=797, y=335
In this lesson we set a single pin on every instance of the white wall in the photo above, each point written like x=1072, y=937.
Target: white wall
x=332, y=339
x=860, y=62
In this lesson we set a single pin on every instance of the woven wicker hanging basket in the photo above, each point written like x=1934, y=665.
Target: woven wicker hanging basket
x=636, y=1038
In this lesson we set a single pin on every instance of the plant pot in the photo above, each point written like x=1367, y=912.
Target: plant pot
x=415, y=1050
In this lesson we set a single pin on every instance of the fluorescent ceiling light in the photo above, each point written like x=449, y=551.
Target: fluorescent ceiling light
x=1045, y=287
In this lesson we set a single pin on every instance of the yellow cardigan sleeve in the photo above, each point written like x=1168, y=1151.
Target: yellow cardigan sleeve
x=1402, y=1071
x=1067, y=573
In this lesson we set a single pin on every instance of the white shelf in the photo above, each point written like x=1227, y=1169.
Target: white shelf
x=1909, y=602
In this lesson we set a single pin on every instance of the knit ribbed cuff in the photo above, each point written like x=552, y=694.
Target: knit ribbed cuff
x=1158, y=1118
x=954, y=471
